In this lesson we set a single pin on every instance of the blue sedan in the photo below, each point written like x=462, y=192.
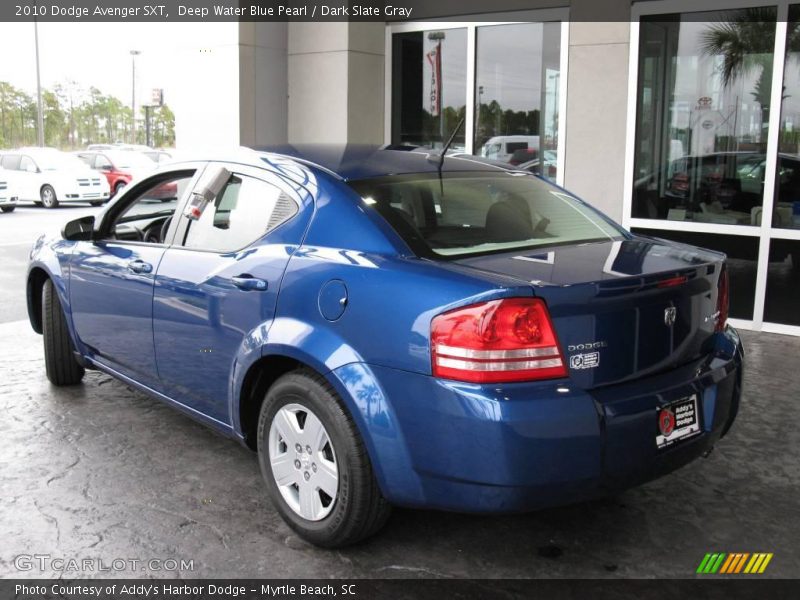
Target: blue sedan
x=384, y=327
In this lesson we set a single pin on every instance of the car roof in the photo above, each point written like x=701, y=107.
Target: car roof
x=358, y=161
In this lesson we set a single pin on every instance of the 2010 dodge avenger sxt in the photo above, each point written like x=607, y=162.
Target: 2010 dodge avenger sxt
x=385, y=326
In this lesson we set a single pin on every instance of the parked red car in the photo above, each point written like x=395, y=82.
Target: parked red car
x=119, y=166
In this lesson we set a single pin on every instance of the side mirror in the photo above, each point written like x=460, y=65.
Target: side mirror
x=211, y=183
x=79, y=230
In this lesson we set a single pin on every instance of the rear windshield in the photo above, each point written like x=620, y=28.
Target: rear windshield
x=477, y=213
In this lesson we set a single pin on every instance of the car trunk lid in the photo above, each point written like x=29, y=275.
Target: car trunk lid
x=621, y=308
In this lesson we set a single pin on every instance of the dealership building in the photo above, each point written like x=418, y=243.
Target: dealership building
x=675, y=117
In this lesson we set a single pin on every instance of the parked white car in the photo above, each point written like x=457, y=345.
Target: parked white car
x=48, y=176
x=8, y=197
x=502, y=147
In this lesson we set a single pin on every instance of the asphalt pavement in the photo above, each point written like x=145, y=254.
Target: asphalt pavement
x=18, y=231
x=102, y=472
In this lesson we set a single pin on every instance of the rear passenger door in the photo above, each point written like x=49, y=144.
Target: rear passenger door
x=218, y=284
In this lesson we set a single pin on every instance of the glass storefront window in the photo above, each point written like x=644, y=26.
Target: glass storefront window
x=516, y=94
x=786, y=211
x=429, y=87
x=782, y=302
x=517, y=91
x=703, y=105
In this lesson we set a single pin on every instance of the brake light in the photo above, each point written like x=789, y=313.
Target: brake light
x=496, y=342
x=673, y=281
x=723, y=299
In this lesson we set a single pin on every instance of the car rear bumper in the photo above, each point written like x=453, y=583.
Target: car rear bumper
x=508, y=448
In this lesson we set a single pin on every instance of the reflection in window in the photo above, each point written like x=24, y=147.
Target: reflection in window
x=429, y=87
x=783, y=283
x=702, y=116
x=742, y=261
x=786, y=212
x=147, y=218
x=242, y=213
x=517, y=93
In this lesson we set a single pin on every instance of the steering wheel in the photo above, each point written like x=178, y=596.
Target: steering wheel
x=162, y=232
x=155, y=233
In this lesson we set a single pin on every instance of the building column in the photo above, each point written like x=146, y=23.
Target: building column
x=335, y=81
x=597, y=103
x=263, y=83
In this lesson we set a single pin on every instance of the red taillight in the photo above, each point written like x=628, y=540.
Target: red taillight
x=494, y=342
x=723, y=299
x=673, y=281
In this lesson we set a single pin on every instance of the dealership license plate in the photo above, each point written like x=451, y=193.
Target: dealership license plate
x=677, y=421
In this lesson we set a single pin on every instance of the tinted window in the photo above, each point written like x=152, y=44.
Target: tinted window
x=786, y=209
x=242, y=213
x=472, y=213
x=517, y=74
x=702, y=115
x=429, y=87
x=11, y=162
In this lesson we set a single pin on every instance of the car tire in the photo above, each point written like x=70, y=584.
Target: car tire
x=48, y=196
x=96, y=203
x=59, y=360
x=119, y=187
x=8, y=209
x=358, y=509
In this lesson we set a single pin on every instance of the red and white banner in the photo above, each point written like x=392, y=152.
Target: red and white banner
x=435, y=60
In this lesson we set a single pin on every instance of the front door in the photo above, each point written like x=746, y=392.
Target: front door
x=111, y=278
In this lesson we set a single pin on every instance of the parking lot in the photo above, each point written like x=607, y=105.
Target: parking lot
x=102, y=471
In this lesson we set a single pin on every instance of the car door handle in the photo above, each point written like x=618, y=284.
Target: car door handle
x=248, y=282
x=139, y=266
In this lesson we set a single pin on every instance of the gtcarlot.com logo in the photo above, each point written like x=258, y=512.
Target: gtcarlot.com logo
x=734, y=563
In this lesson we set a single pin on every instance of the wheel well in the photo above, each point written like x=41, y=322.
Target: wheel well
x=36, y=280
x=258, y=380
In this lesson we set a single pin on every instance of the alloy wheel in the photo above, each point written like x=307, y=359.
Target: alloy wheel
x=303, y=462
x=48, y=197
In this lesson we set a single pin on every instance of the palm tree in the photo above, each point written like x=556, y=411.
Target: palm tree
x=746, y=40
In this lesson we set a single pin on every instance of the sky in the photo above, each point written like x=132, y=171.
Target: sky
x=98, y=54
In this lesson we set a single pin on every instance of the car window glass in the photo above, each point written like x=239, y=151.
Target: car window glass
x=101, y=162
x=10, y=162
x=26, y=164
x=462, y=214
x=146, y=219
x=245, y=210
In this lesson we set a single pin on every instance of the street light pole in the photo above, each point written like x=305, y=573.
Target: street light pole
x=478, y=112
x=134, y=54
x=39, y=110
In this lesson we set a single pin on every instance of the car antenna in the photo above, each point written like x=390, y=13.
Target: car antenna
x=444, y=151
